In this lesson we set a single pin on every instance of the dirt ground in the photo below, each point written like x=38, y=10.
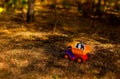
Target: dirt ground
x=32, y=51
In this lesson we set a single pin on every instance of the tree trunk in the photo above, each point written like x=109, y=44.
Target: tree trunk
x=55, y=22
x=116, y=4
x=7, y=1
x=105, y=1
x=30, y=13
x=99, y=8
x=94, y=15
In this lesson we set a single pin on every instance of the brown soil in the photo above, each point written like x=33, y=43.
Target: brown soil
x=32, y=51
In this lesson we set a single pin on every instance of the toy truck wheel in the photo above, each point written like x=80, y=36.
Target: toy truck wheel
x=79, y=60
x=66, y=56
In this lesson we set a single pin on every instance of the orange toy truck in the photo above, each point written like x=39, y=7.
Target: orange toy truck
x=77, y=52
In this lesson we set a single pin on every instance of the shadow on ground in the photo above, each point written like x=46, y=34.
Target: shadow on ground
x=43, y=58
x=102, y=64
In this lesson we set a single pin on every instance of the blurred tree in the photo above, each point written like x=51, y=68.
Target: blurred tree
x=66, y=4
x=104, y=5
x=30, y=13
x=116, y=4
x=7, y=1
x=79, y=6
x=1, y=3
x=93, y=14
x=105, y=1
x=55, y=22
x=87, y=8
x=98, y=8
x=23, y=7
x=11, y=5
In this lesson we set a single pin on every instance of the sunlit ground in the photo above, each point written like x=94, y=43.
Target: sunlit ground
x=33, y=51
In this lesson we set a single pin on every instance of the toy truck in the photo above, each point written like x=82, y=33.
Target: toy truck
x=79, y=54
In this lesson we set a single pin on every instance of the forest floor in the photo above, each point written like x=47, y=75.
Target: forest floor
x=33, y=51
